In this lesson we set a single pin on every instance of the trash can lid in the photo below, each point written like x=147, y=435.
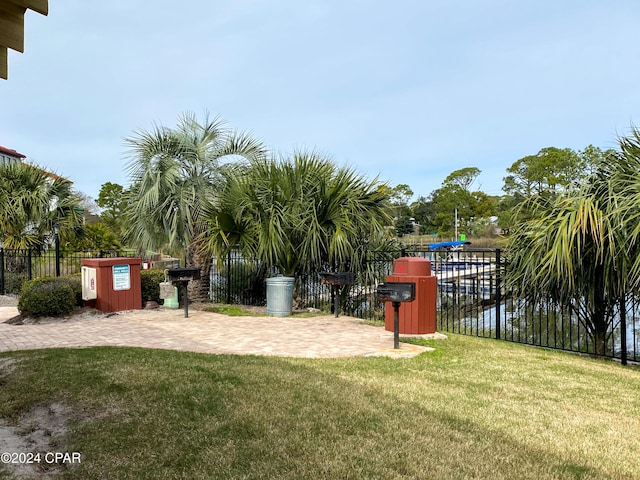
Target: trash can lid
x=412, y=266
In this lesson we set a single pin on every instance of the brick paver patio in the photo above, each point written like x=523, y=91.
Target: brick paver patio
x=314, y=337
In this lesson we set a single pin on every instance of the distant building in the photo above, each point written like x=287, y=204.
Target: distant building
x=8, y=155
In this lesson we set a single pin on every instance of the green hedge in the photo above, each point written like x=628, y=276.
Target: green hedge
x=13, y=282
x=51, y=296
x=75, y=282
x=47, y=297
x=150, y=284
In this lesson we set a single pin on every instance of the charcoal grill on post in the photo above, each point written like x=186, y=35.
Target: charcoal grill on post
x=396, y=292
x=184, y=276
x=336, y=280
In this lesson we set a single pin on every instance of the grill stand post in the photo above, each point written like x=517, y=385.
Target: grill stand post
x=336, y=280
x=396, y=325
x=185, y=296
x=184, y=276
x=396, y=293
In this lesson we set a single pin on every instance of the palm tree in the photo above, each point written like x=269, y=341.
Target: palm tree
x=579, y=249
x=175, y=174
x=624, y=180
x=298, y=215
x=32, y=202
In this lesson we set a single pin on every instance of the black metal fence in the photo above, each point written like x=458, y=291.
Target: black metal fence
x=20, y=265
x=239, y=280
x=471, y=300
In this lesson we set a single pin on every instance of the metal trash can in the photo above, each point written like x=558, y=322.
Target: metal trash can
x=280, y=296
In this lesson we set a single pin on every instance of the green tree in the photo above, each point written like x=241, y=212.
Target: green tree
x=399, y=197
x=548, y=174
x=449, y=200
x=551, y=171
x=175, y=175
x=404, y=226
x=298, y=214
x=424, y=213
x=506, y=211
x=96, y=236
x=590, y=157
x=621, y=169
x=484, y=205
x=89, y=207
x=112, y=199
x=453, y=196
x=481, y=222
x=32, y=202
x=580, y=248
x=462, y=178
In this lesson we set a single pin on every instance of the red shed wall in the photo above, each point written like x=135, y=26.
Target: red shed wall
x=108, y=299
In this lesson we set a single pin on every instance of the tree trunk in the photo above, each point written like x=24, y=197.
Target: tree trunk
x=599, y=321
x=198, y=290
x=600, y=338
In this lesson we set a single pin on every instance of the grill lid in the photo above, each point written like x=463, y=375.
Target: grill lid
x=183, y=274
x=396, y=292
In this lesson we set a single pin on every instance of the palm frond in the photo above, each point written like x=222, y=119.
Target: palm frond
x=175, y=177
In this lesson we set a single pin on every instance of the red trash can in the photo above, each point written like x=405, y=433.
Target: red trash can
x=419, y=316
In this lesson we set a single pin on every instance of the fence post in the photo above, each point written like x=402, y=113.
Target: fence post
x=29, y=272
x=623, y=329
x=229, y=277
x=2, y=288
x=498, y=293
x=57, y=255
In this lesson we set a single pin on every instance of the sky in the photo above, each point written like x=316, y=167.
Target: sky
x=408, y=91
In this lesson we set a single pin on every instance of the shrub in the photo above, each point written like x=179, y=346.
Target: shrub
x=150, y=284
x=13, y=282
x=75, y=282
x=47, y=297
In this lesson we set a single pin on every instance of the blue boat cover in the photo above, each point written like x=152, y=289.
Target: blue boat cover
x=433, y=246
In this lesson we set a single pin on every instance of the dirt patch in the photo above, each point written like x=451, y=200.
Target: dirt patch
x=42, y=431
x=7, y=365
x=254, y=309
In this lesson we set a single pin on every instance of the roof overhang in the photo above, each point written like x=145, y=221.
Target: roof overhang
x=12, y=27
x=11, y=153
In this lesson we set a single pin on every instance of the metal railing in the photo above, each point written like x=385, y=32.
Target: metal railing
x=471, y=300
x=20, y=265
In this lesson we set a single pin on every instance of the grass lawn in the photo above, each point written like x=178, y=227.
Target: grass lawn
x=473, y=408
x=244, y=311
x=232, y=310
